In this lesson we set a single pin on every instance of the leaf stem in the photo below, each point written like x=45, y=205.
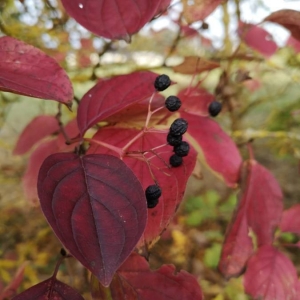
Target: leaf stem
x=61, y=125
x=118, y=150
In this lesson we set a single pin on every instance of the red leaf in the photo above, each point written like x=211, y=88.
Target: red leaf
x=237, y=247
x=257, y=38
x=28, y=71
x=171, y=180
x=30, y=177
x=135, y=277
x=271, y=275
x=216, y=148
x=136, y=114
x=96, y=206
x=290, y=221
x=199, y=10
x=288, y=18
x=259, y=208
x=12, y=287
x=114, y=19
x=295, y=44
x=195, y=101
x=112, y=95
x=263, y=196
x=39, y=155
x=50, y=289
x=36, y=130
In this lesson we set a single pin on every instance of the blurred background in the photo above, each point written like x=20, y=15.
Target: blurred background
x=266, y=111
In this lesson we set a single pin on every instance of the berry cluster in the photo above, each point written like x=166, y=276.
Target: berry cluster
x=174, y=138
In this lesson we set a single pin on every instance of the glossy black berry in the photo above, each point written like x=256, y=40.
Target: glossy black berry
x=179, y=127
x=182, y=149
x=162, y=82
x=214, y=108
x=174, y=140
x=175, y=160
x=172, y=103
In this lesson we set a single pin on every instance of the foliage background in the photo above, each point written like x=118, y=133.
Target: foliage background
x=268, y=115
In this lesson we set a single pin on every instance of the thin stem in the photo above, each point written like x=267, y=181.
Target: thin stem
x=175, y=42
x=106, y=145
x=250, y=150
x=149, y=114
x=156, y=110
x=139, y=135
x=57, y=266
x=61, y=126
x=237, y=9
x=226, y=21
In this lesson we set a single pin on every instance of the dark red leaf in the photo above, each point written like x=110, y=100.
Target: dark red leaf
x=171, y=180
x=263, y=196
x=259, y=209
x=216, y=148
x=271, y=275
x=257, y=38
x=114, y=19
x=195, y=101
x=96, y=206
x=135, y=277
x=36, y=130
x=50, y=289
x=28, y=71
x=199, y=10
x=288, y=18
x=195, y=65
x=112, y=95
x=290, y=221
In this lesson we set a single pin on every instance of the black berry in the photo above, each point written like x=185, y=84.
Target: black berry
x=153, y=192
x=173, y=103
x=175, y=160
x=162, y=82
x=182, y=149
x=152, y=203
x=179, y=127
x=174, y=140
x=214, y=108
